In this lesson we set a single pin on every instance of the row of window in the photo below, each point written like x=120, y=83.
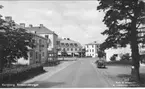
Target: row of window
x=92, y=46
x=90, y=50
x=71, y=49
x=37, y=54
x=69, y=44
x=90, y=54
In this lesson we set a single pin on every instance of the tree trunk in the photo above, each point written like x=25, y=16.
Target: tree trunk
x=1, y=59
x=135, y=50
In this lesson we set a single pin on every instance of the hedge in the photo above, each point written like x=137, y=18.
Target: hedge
x=17, y=74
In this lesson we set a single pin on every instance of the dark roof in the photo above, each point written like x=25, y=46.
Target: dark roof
x=40, y=30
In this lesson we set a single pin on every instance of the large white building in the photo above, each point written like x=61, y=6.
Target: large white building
x=92, y=49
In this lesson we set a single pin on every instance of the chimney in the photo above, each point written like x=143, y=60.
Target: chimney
x=30, y=25
x=8, y=18
x=22, y=25
x=41, y=25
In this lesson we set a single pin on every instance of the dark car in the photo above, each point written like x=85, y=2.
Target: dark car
x=101, y=63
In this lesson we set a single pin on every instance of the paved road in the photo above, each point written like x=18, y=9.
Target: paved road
x=81, y=74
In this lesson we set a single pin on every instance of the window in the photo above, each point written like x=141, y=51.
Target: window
x=87, y=46
x=75, y=49
x=86, y=50
x=71, y=49
x=31, y=54
x=43, y=54
x=76, y=44
x=92, y=46
x=67, y=44
x=36, y=55
x=67, y=49
x=71, y=44
x=62, y=44
x=46, y=36
x=92, y=50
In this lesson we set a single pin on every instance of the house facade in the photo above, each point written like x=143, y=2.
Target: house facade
x=38, y=54
x=49, y=35
x=72, y=48
x=92, y=49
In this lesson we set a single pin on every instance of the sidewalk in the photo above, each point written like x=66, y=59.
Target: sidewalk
x=50, y=71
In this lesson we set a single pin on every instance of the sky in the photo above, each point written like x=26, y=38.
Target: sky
x=77, y=20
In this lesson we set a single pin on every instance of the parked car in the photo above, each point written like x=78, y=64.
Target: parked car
x=101, y=63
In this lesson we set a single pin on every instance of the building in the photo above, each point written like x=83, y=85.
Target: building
x=38, y=54
x=72, y=48
x=119, y=52
x=51, y=38
x=92, y=49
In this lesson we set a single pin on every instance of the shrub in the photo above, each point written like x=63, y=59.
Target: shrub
x=19, y=73
x=125, y=57
x=113, y=57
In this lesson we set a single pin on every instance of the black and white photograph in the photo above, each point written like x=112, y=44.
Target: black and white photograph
x=72, y=43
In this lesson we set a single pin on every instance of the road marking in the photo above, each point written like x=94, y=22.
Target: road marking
x=49, y=74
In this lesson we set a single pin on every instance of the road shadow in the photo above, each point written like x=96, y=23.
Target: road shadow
x=102, y=67
x=40, y=84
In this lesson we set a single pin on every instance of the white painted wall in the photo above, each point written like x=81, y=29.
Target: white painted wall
x=91, y=53
x=110, y=52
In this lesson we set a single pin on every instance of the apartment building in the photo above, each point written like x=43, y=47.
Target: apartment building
x=92, y=49
x=38, y=54
x=51, y=37
x=71, y=47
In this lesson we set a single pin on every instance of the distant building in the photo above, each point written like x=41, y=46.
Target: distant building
x=72, y=48
x=51, y=38
x=92, y=49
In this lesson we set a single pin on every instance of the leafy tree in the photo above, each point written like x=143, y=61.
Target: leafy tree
x=14, y=43
x=101, y=53
x=63, y=53
x=83, y=52
x=123, y=18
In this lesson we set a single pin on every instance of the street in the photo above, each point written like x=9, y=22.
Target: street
x=82, y=73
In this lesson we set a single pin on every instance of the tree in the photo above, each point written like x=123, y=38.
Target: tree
x=83, y=52
x=101, y=53
x=63, y=53
x=123, y=18
x=14, y=43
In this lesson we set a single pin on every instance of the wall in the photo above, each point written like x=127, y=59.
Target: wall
x=110, y=52
x=93, y=49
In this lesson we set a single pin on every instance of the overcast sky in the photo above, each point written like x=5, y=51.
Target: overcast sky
x=77, y=20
